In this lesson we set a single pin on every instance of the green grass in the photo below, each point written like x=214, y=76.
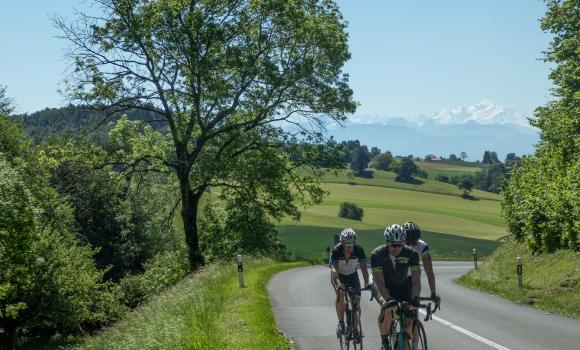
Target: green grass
x=311, y=242
x=551, y=282
x=449, y=168
x=204, y=311
x=387, y=179
x=453, y=226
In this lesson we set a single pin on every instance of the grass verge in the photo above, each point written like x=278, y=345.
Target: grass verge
x=551, y=282
x=206, y=310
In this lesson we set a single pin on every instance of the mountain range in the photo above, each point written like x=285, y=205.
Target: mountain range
x=471, y=129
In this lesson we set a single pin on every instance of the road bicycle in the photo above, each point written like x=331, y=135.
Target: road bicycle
x=352, y=337
x=398, y=337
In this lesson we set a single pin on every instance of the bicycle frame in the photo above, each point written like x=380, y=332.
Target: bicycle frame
x=350, y=311
x=400, y=337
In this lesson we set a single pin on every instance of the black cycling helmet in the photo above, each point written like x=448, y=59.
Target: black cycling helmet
x=413, y=232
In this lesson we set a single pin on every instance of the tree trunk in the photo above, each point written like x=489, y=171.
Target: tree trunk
x=189, y=203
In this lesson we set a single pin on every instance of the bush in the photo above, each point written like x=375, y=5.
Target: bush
x=162, y=271
x=47, y=280
x=350, y=211
x=367, y=174
x=454, y=179
x=442, y=178
x=422, y=173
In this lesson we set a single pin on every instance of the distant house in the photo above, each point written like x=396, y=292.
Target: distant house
x=436, y=158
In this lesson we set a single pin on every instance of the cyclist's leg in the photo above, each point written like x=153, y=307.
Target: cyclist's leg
x=385, y=319
x=406, y=296
x=339, y=302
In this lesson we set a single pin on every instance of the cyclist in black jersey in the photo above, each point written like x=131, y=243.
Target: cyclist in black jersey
x=390, y=264
x=344, y=259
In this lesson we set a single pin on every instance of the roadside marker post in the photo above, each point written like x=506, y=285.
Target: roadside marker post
x=241, y=271
x=475, y=258
x=520, y=272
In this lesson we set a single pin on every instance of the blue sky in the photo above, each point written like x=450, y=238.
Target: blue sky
x=408, y=57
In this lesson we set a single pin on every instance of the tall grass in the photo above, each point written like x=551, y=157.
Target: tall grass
x=206, y=310
x=550, y=281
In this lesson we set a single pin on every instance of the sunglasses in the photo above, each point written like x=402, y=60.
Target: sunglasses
x=396, y=245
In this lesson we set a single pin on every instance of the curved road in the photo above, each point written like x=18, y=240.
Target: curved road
x=303, y=304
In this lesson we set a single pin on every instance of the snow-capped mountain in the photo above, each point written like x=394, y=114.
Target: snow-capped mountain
x=485, y=112
x=473, y=129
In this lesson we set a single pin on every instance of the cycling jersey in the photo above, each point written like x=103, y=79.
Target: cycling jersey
x=394, y=269
x=421, y=247
x=347, y=266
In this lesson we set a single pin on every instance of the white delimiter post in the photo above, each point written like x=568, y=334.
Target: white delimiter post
x=475, y=258
x=241, y=271
x=520, y=272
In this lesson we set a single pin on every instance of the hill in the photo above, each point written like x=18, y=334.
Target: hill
x=76, y=121
x=387, y=179
x=451, y=225
x=550, y=281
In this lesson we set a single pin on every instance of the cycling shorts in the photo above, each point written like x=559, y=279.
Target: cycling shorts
x=351, y=280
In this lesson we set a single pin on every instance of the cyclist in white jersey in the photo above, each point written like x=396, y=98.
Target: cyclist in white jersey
x=344, y=259
x=414, y=240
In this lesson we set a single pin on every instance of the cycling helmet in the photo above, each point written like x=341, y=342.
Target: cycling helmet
x=412, y=230
x=395, y=233
x=348, y=236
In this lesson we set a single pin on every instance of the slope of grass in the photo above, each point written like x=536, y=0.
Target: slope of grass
x=311, y=242
x=550, y=281
x=452, y=226
x=204, y=311
x=387, y=179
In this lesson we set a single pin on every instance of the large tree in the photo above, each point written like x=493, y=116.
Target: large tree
x=382, y=161
x=6, y=105
x=540, y=203
x=405, y=169
x=219, y=73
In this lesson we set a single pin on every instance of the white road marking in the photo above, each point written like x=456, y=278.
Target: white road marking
x=468, y=333
x=451, y=267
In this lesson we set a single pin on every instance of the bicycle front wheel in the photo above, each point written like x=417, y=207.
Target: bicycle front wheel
x=419, y=330
x=361, y=335
x=401, y=341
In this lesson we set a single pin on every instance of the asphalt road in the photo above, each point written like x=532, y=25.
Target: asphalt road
x=303, y=304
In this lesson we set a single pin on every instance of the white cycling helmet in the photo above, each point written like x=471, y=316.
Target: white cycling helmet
x=395, y=234
x=348, y=236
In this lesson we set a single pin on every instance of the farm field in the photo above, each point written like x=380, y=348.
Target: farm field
x=452, y=226
x=387, y=179
x=453, y=168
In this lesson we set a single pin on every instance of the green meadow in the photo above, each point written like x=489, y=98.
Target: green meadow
x=448, y=168
x=452, y=226
x=387, y=179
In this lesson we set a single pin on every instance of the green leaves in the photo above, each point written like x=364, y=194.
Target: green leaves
x=541, y=201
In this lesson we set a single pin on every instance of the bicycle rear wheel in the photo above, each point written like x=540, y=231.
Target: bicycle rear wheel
x=419, y=329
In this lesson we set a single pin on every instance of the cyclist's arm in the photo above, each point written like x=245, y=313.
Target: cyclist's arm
x=363, y=265
x=365, y=272
x=415, y=275
x=334, y=273
x=428, y=265
x=415, y=283
x=380, y=284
